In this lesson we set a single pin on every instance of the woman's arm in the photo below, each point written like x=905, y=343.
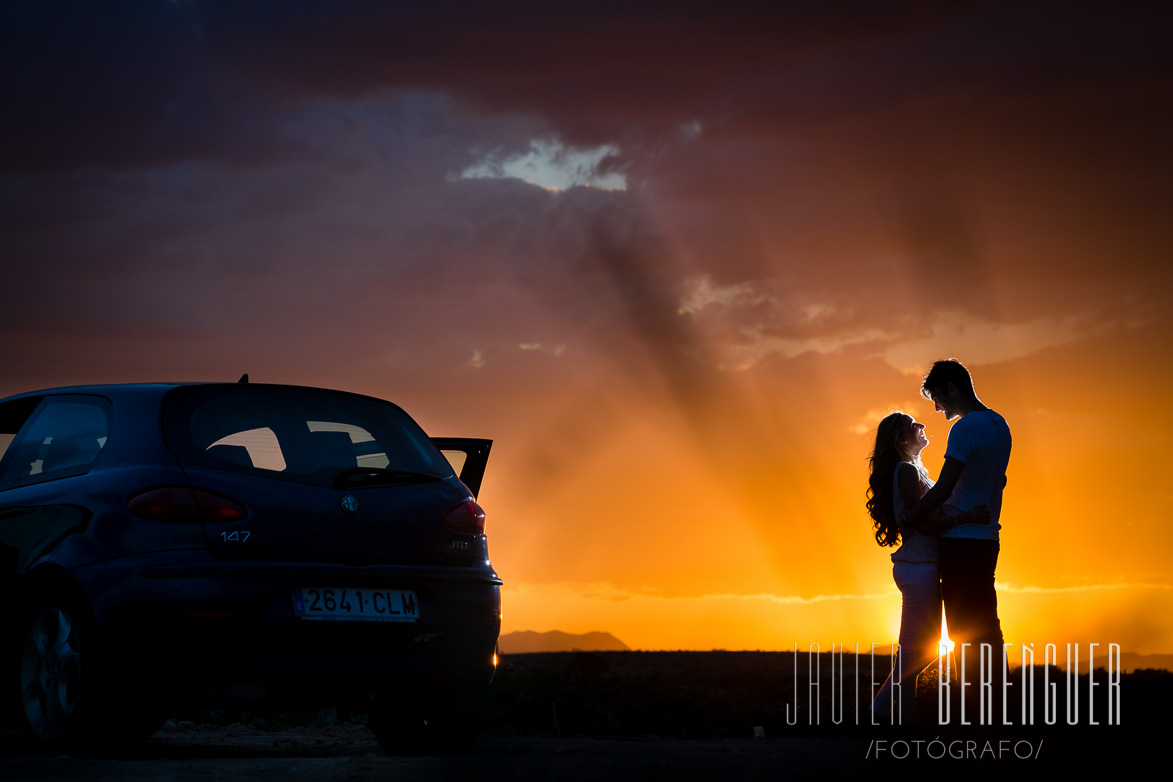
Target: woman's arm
x=912, y=486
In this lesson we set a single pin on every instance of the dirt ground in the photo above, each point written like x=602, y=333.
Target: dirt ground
x=623, y=716
x=348, y=753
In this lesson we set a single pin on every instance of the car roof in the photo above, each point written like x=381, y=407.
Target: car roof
x=160, y=389
x=105, y=389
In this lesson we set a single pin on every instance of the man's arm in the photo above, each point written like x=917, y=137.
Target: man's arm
x=938, y=522
x=912, y=490
x=935, y=497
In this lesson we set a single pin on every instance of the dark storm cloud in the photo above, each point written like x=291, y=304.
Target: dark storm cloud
x=144, y=82
x=596, y=67
x=371, y=255
x=126, y=84
x=273, y=152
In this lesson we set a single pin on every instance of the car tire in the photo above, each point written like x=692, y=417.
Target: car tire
x=56, y=647
x=447, y=725
x=68, y=696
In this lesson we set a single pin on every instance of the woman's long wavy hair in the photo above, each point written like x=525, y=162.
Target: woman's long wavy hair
x=885, y=458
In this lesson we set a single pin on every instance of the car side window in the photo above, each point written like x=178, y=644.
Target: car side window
x=62, y=438
x=13, y=416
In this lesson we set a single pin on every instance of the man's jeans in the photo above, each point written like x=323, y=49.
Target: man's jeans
x=971, y=611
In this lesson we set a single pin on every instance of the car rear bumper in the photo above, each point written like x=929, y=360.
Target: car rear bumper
x=210, y=631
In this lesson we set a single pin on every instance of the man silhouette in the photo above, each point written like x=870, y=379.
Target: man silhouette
x=974, y=474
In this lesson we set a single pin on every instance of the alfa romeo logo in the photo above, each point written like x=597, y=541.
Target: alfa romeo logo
x=349, y=503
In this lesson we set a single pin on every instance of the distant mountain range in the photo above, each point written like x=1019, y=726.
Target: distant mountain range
x=1129, y=661
x=528, y=641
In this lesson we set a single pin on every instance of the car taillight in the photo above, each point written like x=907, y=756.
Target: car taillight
x=466, y=517
x=180, y=503
x=216, y=508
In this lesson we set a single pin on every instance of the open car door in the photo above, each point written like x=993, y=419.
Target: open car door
x=468, y=457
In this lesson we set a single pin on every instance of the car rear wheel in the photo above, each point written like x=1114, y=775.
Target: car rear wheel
x=51, y=673
x=68, y=695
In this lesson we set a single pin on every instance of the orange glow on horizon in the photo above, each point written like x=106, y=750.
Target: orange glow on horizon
x=747, y=531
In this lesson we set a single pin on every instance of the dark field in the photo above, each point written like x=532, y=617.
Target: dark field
x=642, y=715
x=728, y=694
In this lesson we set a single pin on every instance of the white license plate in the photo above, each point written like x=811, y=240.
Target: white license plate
x=356, y=605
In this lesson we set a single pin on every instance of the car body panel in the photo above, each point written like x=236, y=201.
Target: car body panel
x=396, y=524
x=169, y=596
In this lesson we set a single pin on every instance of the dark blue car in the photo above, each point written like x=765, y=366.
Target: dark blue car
x=174, y=545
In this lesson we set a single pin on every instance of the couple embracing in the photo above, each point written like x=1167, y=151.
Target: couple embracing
x=947, y=537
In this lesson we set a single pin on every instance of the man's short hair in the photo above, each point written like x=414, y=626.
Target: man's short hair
x=942, y=374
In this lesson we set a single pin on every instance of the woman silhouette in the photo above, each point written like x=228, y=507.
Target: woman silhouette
x=897, y=481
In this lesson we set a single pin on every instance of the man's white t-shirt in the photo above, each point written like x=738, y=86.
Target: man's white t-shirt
x=981, y=440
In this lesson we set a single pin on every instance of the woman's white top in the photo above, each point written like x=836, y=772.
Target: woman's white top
x=914, y=547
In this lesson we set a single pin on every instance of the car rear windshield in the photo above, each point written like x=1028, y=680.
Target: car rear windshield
x=298, y=434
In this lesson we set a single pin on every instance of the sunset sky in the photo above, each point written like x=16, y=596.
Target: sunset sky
x=676, y=261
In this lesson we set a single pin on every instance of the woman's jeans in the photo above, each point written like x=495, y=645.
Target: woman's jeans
x=920, y=636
